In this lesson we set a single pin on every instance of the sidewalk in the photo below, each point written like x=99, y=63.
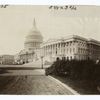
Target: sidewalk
x=72, y=92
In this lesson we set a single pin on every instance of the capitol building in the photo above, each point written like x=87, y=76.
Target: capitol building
x=69, y=47
x=31, y=51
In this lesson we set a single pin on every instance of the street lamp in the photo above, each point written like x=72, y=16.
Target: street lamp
x=26, y=57
x=42, y=62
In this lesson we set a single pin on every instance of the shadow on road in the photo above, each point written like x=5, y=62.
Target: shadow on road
x=3, y=71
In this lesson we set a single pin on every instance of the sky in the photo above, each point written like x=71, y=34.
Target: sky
x=17, y=21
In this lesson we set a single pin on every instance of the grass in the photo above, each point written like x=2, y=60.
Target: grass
x=82, y=87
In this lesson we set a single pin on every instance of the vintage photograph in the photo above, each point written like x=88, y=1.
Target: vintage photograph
x=49, y=50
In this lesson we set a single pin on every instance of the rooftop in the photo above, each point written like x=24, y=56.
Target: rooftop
x=93, y=41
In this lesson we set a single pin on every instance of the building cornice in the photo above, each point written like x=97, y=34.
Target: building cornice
x=70, y=38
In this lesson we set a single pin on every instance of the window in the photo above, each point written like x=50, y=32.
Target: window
x=66, y=44
x=67, y=58
x=56, y=51
x=70, y=57
x=73, y=50
x=70, y=43
x=74, y=57
x=67, y=50
x=78, y=50
x=70, y=50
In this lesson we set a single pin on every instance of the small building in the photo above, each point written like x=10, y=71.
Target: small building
x=7, y=59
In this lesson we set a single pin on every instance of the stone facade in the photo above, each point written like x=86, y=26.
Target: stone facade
x=72, y=47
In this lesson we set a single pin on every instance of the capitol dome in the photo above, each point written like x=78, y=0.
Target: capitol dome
x=33, y=39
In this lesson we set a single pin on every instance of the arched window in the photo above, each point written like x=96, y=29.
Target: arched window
x=70, y=57
x=67, y=58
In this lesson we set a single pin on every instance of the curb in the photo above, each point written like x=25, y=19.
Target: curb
x=64, y=85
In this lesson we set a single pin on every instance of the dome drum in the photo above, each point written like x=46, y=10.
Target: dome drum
x=33, y=39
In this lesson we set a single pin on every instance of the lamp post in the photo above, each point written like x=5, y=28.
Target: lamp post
x=26, y=57
x=42, y=62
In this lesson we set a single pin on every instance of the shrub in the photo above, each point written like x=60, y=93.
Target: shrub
x=80, y=70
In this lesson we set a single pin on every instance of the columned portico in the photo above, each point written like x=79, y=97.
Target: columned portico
x=73, y=47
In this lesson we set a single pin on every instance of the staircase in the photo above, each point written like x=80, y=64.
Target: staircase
x=35, y=64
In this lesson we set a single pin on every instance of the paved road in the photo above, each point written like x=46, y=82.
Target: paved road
x=35, y=72
x=32, y=82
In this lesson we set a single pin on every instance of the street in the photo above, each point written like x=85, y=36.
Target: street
x=30, y=82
